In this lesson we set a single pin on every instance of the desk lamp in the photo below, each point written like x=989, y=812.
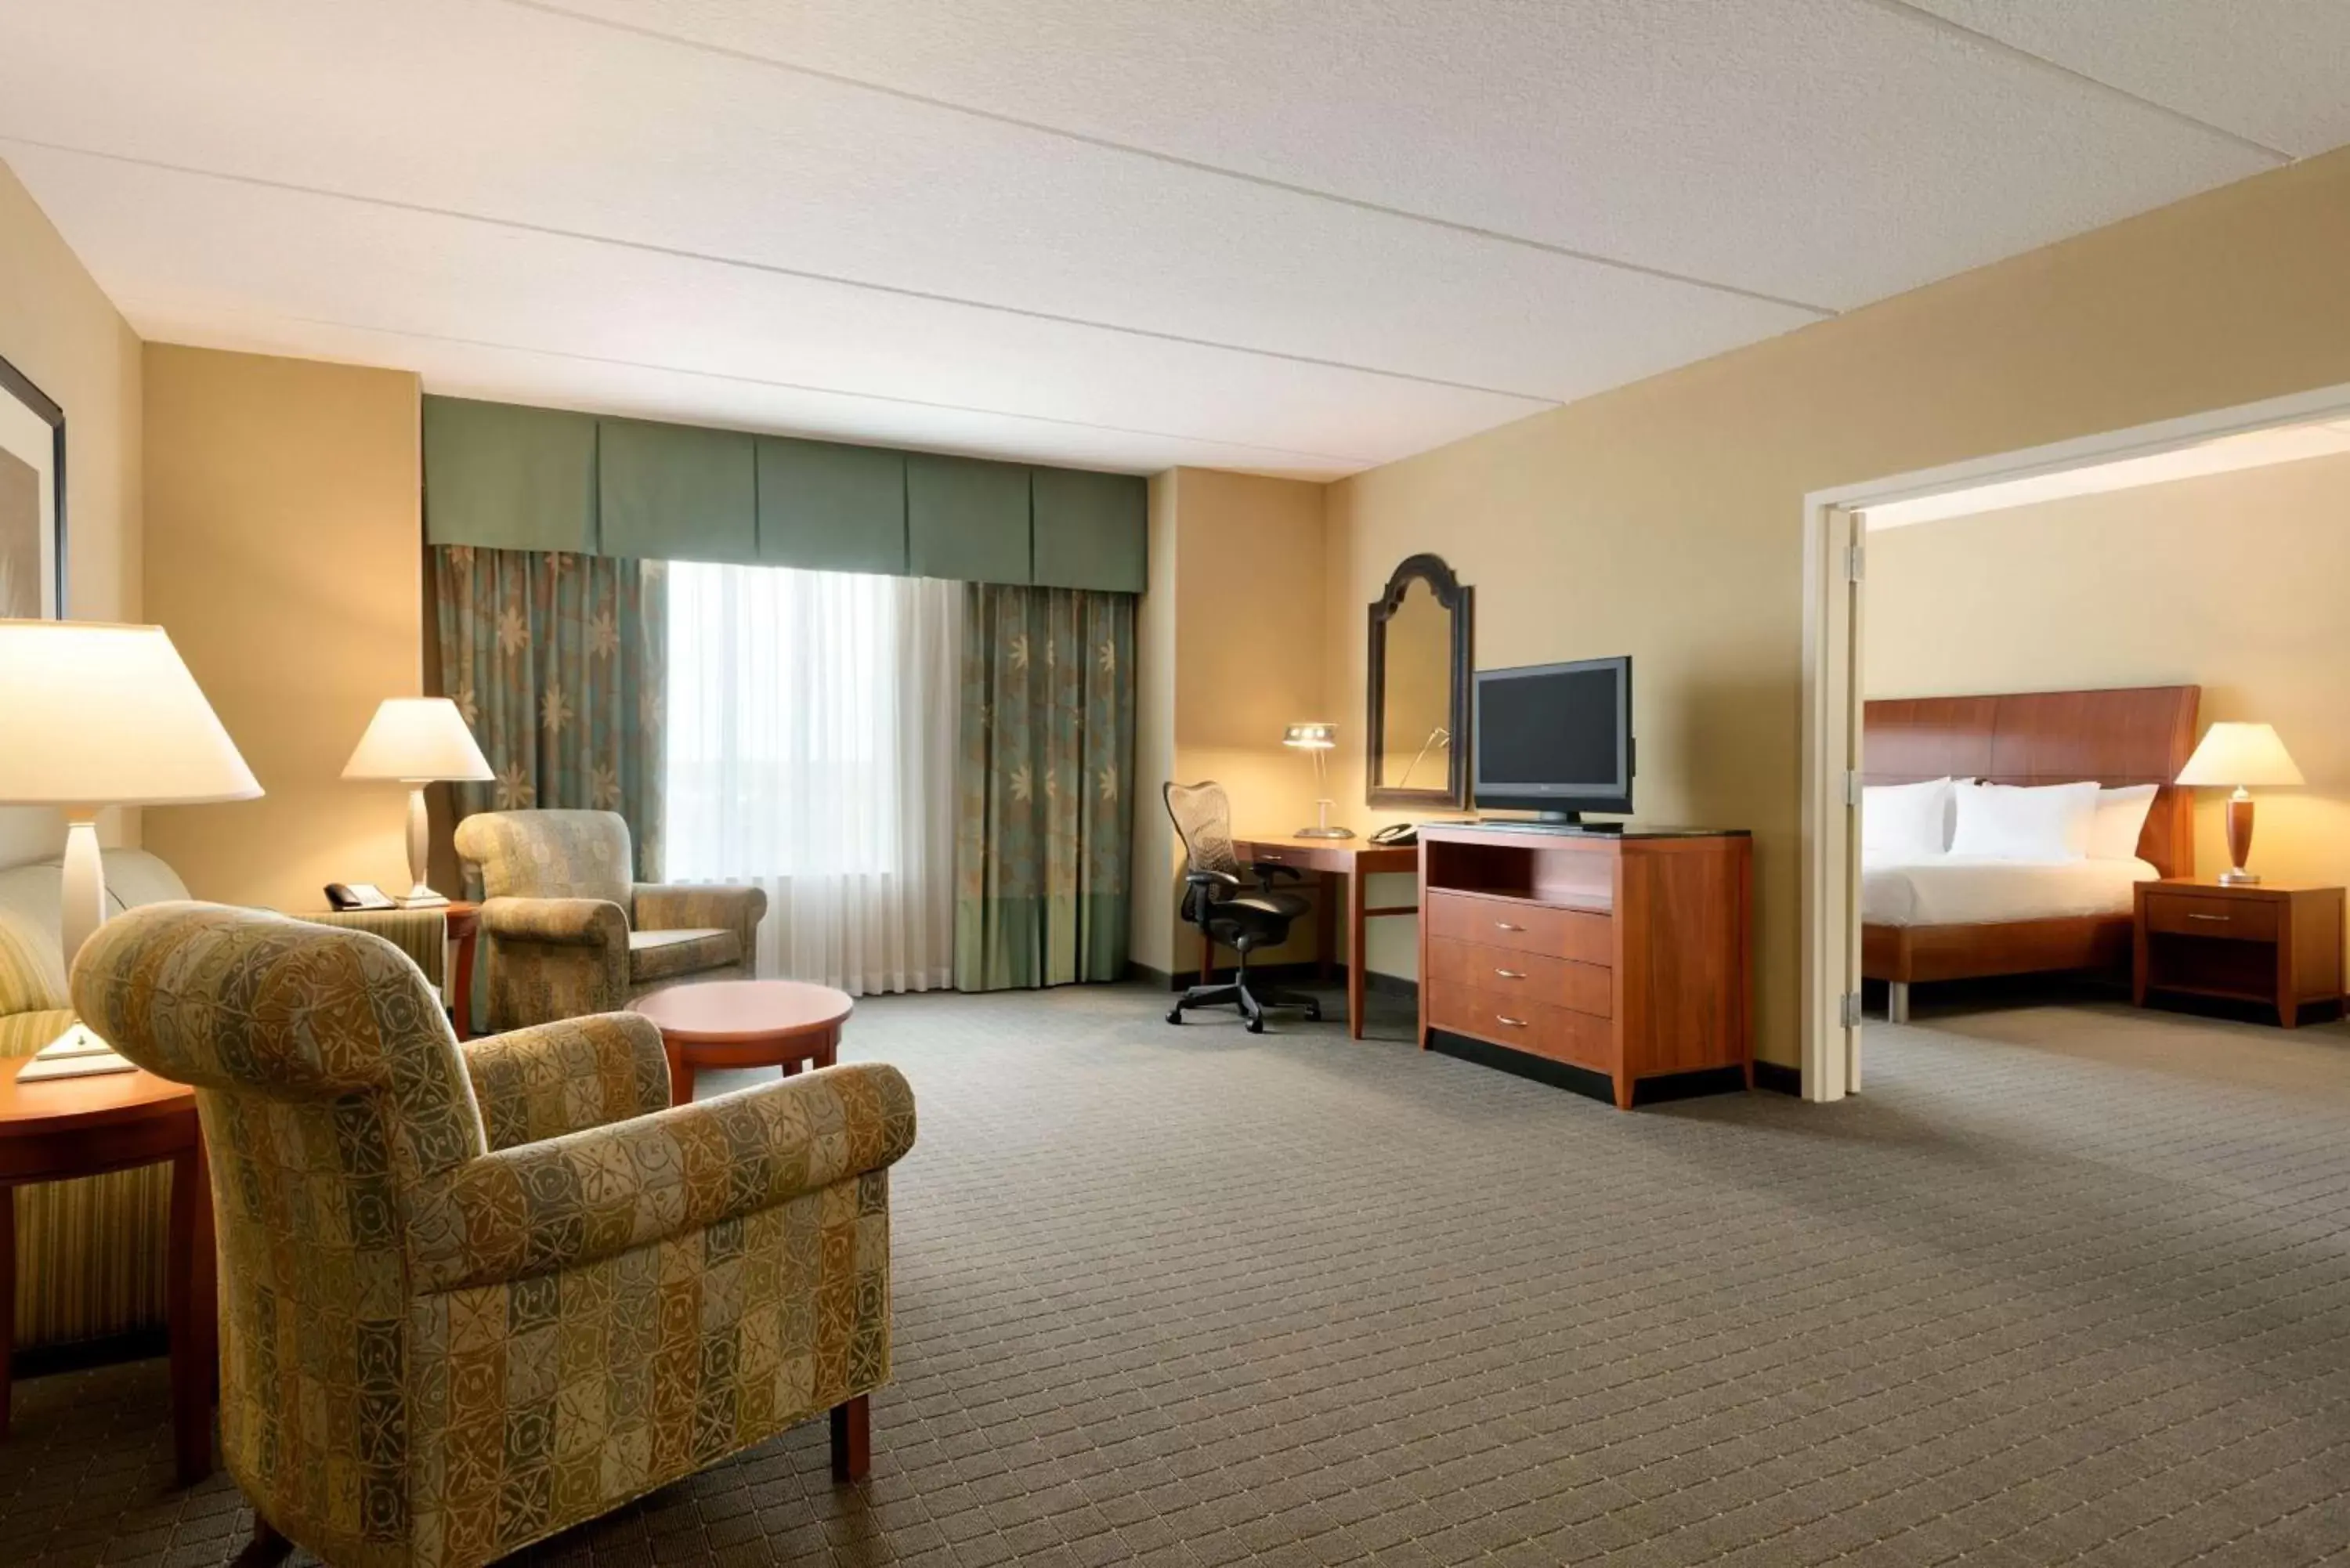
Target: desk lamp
x=1319, y=739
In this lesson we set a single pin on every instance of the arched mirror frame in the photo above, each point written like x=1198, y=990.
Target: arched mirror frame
x=1454, y=597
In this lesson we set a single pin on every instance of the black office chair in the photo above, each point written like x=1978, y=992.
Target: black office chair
x=1214, y=902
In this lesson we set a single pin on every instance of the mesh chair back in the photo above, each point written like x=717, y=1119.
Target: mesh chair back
x=1203, y=819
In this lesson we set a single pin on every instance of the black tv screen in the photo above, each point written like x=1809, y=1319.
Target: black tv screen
x=1555, y=738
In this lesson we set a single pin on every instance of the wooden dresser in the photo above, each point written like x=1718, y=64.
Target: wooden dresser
x=1626, y=955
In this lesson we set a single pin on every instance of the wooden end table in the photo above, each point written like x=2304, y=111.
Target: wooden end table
x=58, y=1128
x=2274, y=944
x=745, y=1023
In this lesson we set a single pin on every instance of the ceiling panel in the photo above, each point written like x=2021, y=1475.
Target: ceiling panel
x=251, y=249
x=1832, y=151
x=2277, y=71
x=490, y=109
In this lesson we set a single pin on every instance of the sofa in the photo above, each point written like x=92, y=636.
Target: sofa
x=475, y=1296
x=569, y=930
x=90, y=1253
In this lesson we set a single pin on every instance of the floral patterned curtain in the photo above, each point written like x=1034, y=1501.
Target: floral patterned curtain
x=1042, y=824
x=559, y=663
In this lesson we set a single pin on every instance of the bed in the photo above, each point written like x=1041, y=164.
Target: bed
x=1941, y=918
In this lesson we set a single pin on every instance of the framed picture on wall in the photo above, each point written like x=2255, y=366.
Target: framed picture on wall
x=32, y=500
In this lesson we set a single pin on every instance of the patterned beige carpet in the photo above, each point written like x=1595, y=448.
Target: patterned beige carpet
x=1198, y=1297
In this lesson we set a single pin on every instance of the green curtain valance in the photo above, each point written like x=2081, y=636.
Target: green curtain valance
x=506, y=477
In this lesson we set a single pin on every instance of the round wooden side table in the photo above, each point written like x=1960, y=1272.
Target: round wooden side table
x=745, y=1023
x=57, y=1128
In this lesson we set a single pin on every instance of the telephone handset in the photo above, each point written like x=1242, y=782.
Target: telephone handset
x=1398, y=833
x=356, y=895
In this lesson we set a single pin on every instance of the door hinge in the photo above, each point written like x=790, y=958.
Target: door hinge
x=1852, y=787
x=1851, y=1010
x=1855, y=563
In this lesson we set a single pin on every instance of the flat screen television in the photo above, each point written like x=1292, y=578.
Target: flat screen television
x=1555, y=739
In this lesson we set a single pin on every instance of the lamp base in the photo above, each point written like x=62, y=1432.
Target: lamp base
x=420, y=898
x=2239, y=877
x=1324, y=833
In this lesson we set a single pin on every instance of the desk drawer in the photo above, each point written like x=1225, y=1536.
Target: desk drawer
x=1506, y=976
x=1522, y=927
x=1557, y=1033
x=2191, y=915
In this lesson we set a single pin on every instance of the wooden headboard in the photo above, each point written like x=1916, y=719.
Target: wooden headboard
x=2129, y=735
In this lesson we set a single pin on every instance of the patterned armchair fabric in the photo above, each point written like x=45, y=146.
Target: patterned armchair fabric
x=475, y=1298
x=570, y=934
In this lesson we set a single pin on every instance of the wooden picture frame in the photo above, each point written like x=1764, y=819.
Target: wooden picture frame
x=1456, y=600
x=32, y=500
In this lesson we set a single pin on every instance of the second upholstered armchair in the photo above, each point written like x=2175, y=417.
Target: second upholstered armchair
x=473, y=1297
x=570, y=932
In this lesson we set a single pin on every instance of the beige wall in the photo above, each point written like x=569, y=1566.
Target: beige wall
x=2143, y=587
x=66, y=335
x=1231, y=637
x=282, y=497
x=1664, y=520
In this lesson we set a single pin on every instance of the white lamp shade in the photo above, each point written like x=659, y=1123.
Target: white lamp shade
x=108, y=715
x=415, y=740
x=2233, y=756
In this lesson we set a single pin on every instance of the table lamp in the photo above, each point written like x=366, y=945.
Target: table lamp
x=2238, y=755
x=1317, y=739
x=418, y=741
x=100, y=715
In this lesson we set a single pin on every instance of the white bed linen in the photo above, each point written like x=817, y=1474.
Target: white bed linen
x=1970, y=890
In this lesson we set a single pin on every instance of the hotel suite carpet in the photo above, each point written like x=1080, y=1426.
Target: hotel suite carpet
x=1197, y=1296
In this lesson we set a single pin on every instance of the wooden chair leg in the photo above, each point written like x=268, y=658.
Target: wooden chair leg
x=852, y=1439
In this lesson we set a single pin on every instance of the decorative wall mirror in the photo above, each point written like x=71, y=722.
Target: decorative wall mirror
x=1418, y=742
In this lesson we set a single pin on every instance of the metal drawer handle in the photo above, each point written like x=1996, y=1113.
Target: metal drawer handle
x=1513, y=1023
x=1506, y=926
x=2195, y=915
x=1511, y=974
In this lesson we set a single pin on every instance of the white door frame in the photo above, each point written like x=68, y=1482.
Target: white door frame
x=1832, y=688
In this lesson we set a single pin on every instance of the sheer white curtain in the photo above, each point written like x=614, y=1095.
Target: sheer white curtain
x=812, y=753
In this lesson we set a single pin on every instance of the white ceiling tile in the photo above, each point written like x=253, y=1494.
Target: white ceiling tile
x=1827, y=150
x=699, y=152
x=255, y=250
x=2276, y=71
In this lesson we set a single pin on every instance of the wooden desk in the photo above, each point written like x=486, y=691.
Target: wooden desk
x=1332, y=860
x=57, y=1128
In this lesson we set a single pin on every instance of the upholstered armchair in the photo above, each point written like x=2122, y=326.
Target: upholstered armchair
x=569, y=933
x=475, y=1296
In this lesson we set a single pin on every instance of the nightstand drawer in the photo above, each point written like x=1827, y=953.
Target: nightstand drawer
x=1522, y=925
x=2190, y=914
x=1504, y=975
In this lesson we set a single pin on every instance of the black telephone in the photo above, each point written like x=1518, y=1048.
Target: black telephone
x=1398, y=833
x=356, y=895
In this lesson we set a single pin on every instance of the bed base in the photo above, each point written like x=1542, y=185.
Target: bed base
x=1904, y=955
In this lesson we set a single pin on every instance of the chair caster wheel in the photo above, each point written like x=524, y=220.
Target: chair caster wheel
x=1256, y=1026
x=1315, y=1016
x=1174, y=1015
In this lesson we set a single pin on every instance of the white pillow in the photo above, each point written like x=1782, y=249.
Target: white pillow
x=1903, y=821
x=2120, y=819
x=2004, y=822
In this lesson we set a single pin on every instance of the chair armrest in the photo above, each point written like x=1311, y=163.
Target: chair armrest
x=692, y=906
x=595, y=1194
x=558, y=922
x=1212, y=879
x=555, y=1078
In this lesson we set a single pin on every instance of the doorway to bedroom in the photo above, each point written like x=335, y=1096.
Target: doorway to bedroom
x=2018, y=806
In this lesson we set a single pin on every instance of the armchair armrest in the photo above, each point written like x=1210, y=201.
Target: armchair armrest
x=595, y=1194
x=695, y=906
x=557, y=1078
x=558, y=922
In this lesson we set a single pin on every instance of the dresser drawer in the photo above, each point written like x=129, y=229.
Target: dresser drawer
x=1557, y=1033
x=1521, y=928
x=2195, y=915
x=1506, y=975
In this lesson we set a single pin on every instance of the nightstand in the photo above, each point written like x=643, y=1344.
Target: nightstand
x=2272, y=943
